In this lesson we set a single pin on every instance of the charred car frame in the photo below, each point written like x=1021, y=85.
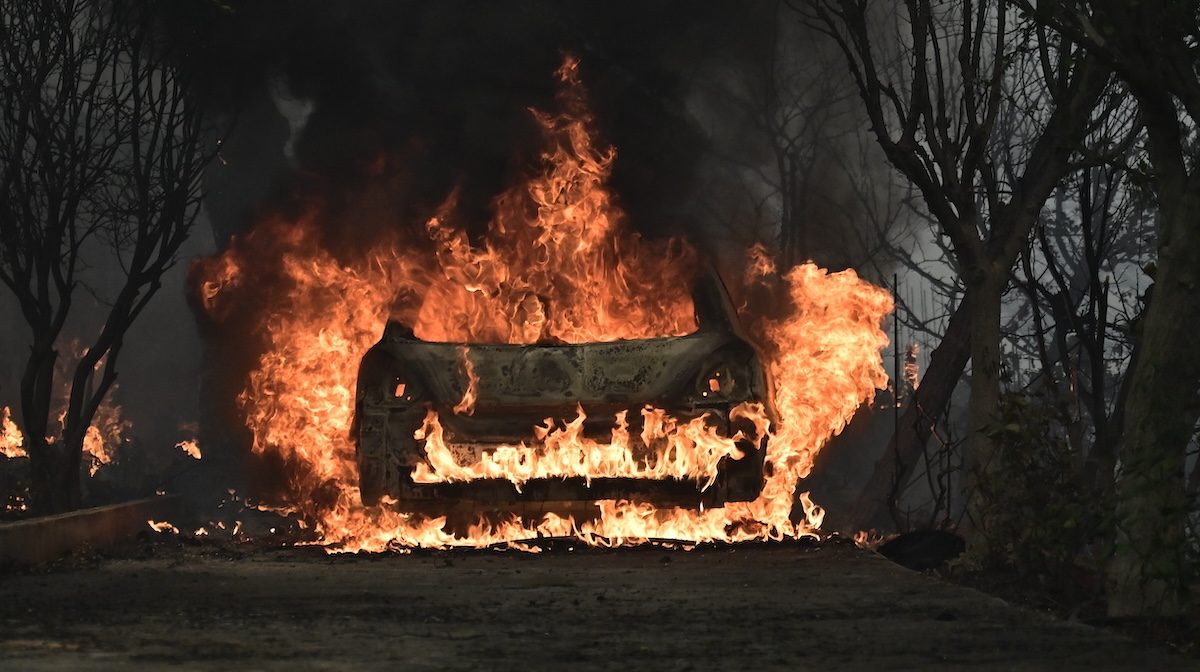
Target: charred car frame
x=402, y=378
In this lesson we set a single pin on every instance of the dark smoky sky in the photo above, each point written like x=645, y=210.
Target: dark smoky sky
x=435, y=95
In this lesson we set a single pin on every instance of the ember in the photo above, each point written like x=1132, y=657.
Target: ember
x=191, y=447
x=559, y=265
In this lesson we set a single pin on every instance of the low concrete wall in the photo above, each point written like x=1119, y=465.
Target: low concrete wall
x=28, y=542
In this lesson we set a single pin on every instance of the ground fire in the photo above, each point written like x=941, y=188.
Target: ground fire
x=558, y=265
x=104, y=436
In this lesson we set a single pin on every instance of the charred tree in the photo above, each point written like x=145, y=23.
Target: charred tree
x=933, y=101
x=916, y=424
x=101, y=154
x=1080, y=319
x=1152, y=47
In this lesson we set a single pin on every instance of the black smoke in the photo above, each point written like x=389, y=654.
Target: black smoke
x=433, y=96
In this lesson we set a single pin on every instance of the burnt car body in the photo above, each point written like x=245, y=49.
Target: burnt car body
x=518, y=386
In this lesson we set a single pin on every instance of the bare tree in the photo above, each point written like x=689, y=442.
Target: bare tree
x=1152, y=46
x=101, y=154
x=1076, y=279
x=933, y=102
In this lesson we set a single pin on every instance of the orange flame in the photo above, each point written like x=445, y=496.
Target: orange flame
x=683, y=450
x=104, y=435
x=102, y=438
x=558, y=264
x=759, y=264
x=12, y=441
x=467, y=405
x=572, y=272
x=109, y=427
x=162, y=526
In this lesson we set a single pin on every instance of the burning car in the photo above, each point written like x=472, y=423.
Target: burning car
x=675, y=420
x=550, y=374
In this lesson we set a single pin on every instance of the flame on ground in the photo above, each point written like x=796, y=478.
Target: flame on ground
x=558, y=264
x=162, y=526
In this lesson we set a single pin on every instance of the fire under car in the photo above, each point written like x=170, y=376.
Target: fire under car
x=647, y=402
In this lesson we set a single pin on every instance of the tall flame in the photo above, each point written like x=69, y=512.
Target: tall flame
x=558, y=264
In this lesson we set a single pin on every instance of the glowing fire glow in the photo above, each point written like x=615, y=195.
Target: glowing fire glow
x=558, y=264
x=103, y=436
x=12, y=442
x=759, y=264
x=191, y=447
x=912, y=369
x=109, y=427
x=162, y=526
x=683, y=450
x=572, y=272
x=467, y=405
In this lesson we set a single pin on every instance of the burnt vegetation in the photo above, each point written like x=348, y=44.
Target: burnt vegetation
x=1021, y=175
x=103, y=152
x=1051, y=165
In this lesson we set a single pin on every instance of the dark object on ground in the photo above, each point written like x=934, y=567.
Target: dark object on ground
x=703, y=374
x=922, y=550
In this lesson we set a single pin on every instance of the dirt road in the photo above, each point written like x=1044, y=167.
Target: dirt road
x=763, y=608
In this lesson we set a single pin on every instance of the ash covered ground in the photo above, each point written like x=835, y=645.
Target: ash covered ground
x=178, y=602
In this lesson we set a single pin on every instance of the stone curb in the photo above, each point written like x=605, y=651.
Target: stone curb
x=29, y=542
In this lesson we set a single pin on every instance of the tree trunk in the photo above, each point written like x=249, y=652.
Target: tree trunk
x=895, y=466
x=987, y=294
x=55, y=480
x=1147, y=572
x=54, y=471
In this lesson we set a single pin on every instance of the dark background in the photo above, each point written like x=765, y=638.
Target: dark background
x=430, y=96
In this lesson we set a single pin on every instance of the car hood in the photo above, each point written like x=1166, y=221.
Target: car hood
x=620, y=372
